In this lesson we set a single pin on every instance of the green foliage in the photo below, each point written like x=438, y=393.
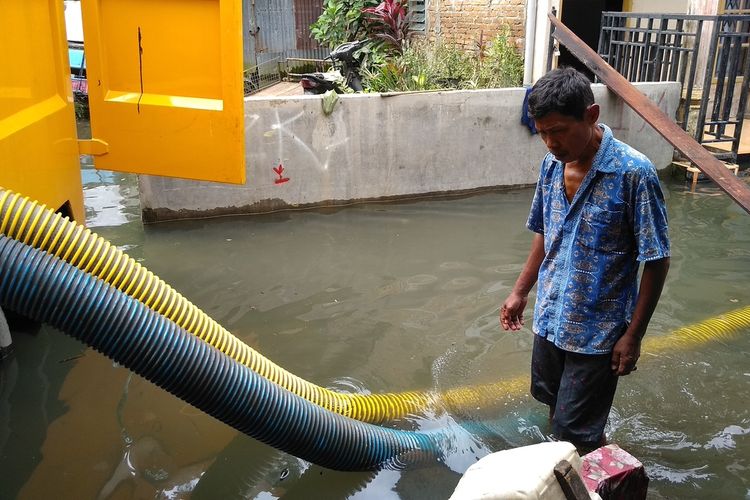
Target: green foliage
x=81, y=105
x=386, y=77
x=391, y=63
x=421, y=66
x=388, y=24
x=341, y=21
x=434, y=65
x=305, y=67
x=372, y=55
x=501, y=65
x=448, y=66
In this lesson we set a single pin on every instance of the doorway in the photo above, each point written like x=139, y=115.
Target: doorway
x=584, y=18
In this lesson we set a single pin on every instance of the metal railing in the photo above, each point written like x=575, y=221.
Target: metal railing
x=652, y=48
x=262, y=76
x=667, y=47
x=297, y=66
x=731, y=74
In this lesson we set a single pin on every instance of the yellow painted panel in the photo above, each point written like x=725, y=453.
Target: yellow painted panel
x=165, y=86
x=38, y=148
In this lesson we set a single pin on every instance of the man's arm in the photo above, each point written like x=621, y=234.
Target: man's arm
x=627, y=350
x=511, y=312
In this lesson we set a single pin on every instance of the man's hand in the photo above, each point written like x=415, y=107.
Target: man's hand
x=625, y=354
x=511, y=312
x=628, y=349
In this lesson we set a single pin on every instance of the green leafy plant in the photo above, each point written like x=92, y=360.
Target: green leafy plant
x=388, y=23
x=451, y=67
x=81, y=105
x=501, y=64
x=341, y=21
x=420, y=81
x=426, y=65
x=387, y=77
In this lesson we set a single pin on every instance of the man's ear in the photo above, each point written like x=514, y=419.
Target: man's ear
x=592, y=114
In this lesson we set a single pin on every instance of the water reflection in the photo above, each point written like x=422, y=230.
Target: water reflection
x=374, y=298
x=110, y=198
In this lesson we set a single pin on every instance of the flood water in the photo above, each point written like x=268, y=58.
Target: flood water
x=372, y=298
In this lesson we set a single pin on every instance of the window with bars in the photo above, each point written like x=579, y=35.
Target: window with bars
x=418, y=9
x=737, y=7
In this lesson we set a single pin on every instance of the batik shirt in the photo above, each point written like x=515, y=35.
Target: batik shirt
x=587, y=284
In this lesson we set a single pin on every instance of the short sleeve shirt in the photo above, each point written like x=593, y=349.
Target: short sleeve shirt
x=587, y=284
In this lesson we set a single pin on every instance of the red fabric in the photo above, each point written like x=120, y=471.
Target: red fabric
x=614, y=474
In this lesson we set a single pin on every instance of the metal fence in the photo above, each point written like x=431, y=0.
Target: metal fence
x=282, y=29
x=297, y=66
x=262, y=76
x=723, y=118
x=652, y=48
x=667, y=47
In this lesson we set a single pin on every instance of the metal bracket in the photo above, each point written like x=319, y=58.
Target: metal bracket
x=94, y=147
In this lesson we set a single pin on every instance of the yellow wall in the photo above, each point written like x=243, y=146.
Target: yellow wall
x=165, y=94
x=166, y=88
x=38, y=148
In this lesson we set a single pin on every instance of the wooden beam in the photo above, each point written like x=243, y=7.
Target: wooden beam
x=649, y=111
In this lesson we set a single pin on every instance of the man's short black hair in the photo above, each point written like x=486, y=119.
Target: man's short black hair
x=564, y=91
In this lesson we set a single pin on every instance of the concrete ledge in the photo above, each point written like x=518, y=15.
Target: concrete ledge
x=276, y=205
x=377, y=148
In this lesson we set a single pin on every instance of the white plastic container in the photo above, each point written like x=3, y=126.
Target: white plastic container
x=518, y=474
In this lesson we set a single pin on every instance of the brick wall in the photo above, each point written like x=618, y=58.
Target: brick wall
x=463, y=22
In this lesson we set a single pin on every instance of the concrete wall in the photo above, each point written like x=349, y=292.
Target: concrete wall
x=374, y=147
x=660, y=7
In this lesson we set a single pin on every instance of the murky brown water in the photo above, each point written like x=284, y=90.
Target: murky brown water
x=380, y=298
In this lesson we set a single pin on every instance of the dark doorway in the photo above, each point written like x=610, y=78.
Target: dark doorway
x=584, y=18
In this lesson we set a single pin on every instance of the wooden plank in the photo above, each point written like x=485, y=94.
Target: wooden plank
x=649, y=111
x=281, y=89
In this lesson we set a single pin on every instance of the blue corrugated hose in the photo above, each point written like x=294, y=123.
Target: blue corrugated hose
x=43, y=287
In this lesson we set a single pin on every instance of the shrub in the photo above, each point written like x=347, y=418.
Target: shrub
x=427, y=65
x=388, y=23
x=341, y=21
x=501, y=65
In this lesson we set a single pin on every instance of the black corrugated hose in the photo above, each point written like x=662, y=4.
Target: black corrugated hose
x=47, y=289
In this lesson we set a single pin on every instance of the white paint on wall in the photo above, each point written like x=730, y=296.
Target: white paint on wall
x=374, y=147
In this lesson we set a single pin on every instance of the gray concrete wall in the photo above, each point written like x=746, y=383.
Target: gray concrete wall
x=374, y=147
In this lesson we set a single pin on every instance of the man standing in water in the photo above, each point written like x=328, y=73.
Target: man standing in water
x=598, y=212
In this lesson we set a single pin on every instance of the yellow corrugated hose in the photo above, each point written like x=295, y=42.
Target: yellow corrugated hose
x=33, y=224
x=719, y=328
x=36, y=225
x=724, y=327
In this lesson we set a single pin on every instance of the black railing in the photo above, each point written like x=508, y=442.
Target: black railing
x=731, y=74
x=666, y=47
x=653, y=48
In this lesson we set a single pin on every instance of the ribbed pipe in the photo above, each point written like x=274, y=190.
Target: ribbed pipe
x=722, y=328
x=45, y=288
x=36, y=225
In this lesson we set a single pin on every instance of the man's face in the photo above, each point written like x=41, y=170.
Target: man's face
x=564, y=136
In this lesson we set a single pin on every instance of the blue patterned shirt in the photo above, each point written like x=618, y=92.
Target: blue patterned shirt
x=587, y=286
